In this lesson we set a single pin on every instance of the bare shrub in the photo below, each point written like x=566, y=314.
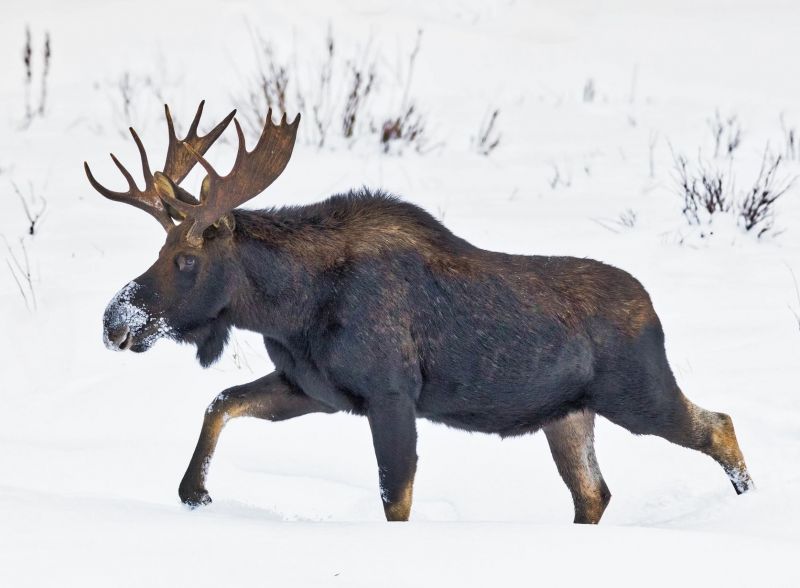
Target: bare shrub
x=625, y=220
x=33, y=206
x=336, y=96
x=727, y=134
x=269, y=88
x=589, y=91
x=17, y=259
x=129, y=102
x=559, y=178
x=32, y=112
x=238, y=356
x=488, y=136
x=360, y=88
x=705, y=190
x=18, y=263
x=127, y=90
x=279, y=84
x=27, y=59
x=791, y=141
x=757, y=210
x=407, y=127
x=136, y=97
x=46, y=54
x=317, y=100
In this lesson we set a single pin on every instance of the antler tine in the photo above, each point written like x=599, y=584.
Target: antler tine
x=180, y=161
x=241, y=149
x=146, y=199
x=252, y=172
x=196, y=120
x=131, y=182
x=148, y=175
x=241, y=153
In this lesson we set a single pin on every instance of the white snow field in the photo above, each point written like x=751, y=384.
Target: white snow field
x=93, y=444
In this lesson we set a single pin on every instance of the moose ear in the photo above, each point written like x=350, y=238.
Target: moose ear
x=222, y=228
x=164, y=187
x=168, y=191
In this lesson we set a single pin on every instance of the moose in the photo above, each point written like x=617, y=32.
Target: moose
x=369, y=305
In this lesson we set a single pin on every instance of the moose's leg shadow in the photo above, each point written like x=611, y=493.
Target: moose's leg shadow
x=272, y=398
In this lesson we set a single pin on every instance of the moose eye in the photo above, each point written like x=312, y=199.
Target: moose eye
x=185, y=263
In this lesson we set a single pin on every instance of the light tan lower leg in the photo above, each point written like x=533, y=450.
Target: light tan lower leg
x=571, y=441
x=714, y=435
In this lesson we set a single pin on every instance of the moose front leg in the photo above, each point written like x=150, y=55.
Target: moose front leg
x=394, y=435
x=271, y=397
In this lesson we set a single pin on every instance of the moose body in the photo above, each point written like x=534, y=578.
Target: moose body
x=369, y=305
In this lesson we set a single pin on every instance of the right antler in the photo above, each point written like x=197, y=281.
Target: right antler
x=252, y=172
x=181, y=158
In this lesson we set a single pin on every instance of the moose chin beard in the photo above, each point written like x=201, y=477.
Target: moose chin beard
x=210, y=339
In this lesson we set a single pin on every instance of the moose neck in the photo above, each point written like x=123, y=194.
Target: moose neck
x=284, y=263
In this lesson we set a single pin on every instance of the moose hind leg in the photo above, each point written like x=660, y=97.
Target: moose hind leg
x=667, y=413
x=271, y=397
x=571, y=441
x=711, y=433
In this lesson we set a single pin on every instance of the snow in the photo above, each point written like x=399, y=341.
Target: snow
x=93, y=444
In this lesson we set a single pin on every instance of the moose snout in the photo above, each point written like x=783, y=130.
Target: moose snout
x=123, y=319
x=118, y=338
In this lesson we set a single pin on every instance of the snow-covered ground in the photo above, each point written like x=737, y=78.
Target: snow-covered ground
x=93, y=444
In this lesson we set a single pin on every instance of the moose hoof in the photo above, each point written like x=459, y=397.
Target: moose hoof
x=194, y=498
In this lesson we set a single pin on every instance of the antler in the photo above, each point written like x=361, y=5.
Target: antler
x=252, y=172
x=147, y=199
x=181, y=158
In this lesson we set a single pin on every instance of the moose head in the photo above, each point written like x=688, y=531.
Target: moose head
x=186, y=293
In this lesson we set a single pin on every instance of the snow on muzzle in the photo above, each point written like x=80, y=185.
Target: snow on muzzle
x=126, y=325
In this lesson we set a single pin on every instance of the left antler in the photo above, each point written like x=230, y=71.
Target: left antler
x=181, y=158
x=252, y=172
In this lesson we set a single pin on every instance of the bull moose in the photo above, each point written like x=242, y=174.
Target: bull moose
x=369, y=305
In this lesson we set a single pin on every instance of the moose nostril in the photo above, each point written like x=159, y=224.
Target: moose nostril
x=126, y=342
x=119, y=338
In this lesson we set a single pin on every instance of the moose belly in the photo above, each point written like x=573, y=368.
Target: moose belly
x=303, y=374
x=512, y=393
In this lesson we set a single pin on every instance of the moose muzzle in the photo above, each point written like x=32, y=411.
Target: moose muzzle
x=128, y=325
